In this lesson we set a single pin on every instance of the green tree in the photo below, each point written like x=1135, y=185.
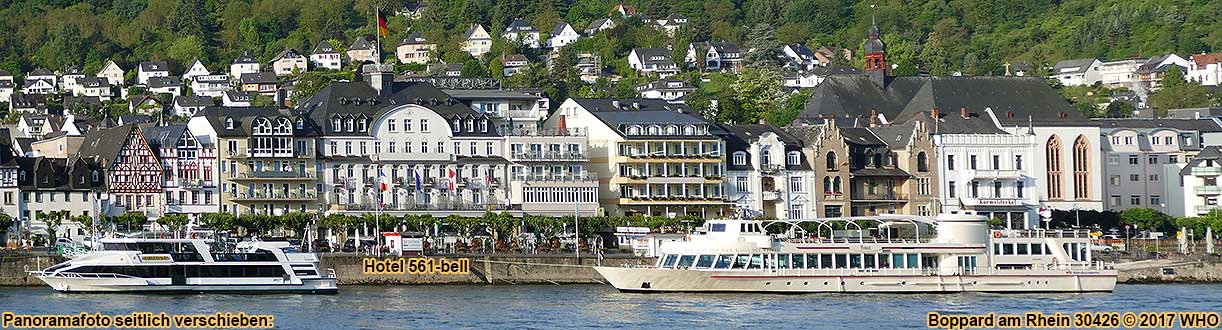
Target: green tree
x=473, y=69
x=173, y=221
x=763, y=51
x=790, y=109
x=756, y=91
x=6, y=224
x=187, y=49
x=1119, y=109
x=190, y=18
x=1146, y=219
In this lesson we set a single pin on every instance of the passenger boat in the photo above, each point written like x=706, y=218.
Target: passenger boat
x=189, y=265
x=881, y=254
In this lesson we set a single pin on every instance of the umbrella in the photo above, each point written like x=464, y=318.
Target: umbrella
x=1209, y=240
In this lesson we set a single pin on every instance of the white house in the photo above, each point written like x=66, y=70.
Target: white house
x=799, y=57
x=563, y=35
x=1120, y=73
x=362, y=50
x=242, y=65
x=212, y=85
x=288, y=62
x=325, y=56
x=520, y=31
x=151, y=69
x=165, y=85
x=1205, y=69
x=196, y=69
x=478, y=41
x=44, y=75
x=187, y=106
x=70, y=79
x=666, y=89
x=1078, y=72
x=653, y=60
x=514, y=64
x=768, y=174
x=600, y=25
x=672, y=23
x=415, y=49
x=93, y=86
x=234, y=98
x=714, y=56
x=38, y=86
x=1192, y=187
x=113, y=74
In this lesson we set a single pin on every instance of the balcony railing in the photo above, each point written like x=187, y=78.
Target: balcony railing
x=273, y=175
x=572, y=131
x=1204, y=209
x=886, y=196
x=772, y=195
x=586, y=177
x=664, y=198
x=662, y=155
x=195, y=183
x=278, y=195
x=999, y=174
x=551, y=156
x=1206, y=171
x=1208, y=190
x=268, y=154
x=442, y=206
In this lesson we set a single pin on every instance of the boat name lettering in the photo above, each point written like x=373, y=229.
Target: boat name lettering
x=415, y=266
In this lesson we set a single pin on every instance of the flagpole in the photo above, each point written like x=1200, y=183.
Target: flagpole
x=378, y=36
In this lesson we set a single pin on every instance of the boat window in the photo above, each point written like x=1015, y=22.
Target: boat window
x=670, y=261
x=725, y=261
x=782, y=261
x=757, y=261
x=308, y=272
x=799, y=262
x=686, y=261
x=842, y=261
x=1022, y=249
x=912, y=260
x=704, y=261
x=812, y=261
x=153, y=248
x=1037, y=248
x=897, y=260
x=854, y=261
x=119, y=246
x=826, y=261
x=1008, y=248
x=717, y=227
x=742, y=261
x=996, y=248
x=884, y=261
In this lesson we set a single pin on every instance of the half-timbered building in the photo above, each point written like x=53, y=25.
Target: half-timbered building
x=133, y=173
x=189, y=169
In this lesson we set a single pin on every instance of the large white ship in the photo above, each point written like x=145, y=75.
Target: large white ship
x=190, y=265
x=952, y=253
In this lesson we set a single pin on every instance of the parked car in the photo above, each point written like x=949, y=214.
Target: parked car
x=350, y=245
x=1100, y=247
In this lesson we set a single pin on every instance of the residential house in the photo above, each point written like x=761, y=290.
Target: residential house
x=42, y=74
x=562, y=35
x=289, y=62
x=1150, y=75
x=651, y=157
x=1205, y=69
x=672, y=23
x=38, y=86
x=325, y=56
x=1120, y=73
x=165, y=85
x=653, y=60
x=825, y=55
x=478, y=41
x=70, y=79
x=5, y=76
x=6, y=91
x=187, y=106
x=549, y=171
x=46, y=184
x=147, y=70
x=666, y=89
x=1192, y=186
x=799, y=58
x=189, y=170
x=520, y=31
x=1137, y=150
x=147, y=104
x=622, y=10
x=112, y=72
x=600, y=24
x=262, y=83
x=812, y=78
x=133, y=173
x=415, y=49
x=714, y=57
x=213, y=85
x=1077, y=72
x=37, y=126
x=510, y=110
x=236, y=99
x=514, y=64
x=769, y=175
x=28, y=103
x=243, y=64
x=94, y=87
x=589, y=67
x=196, y=69
x=267, y=159
x=362, y=50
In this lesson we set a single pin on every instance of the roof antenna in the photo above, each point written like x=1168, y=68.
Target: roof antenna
x=872, y=15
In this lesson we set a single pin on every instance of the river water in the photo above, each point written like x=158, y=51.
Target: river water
x=598, y=306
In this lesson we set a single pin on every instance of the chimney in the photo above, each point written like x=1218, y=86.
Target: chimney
x=934, y=114
x=636, y=105
x=963, y=112
x=873, y=117
x=561, y=125
x=615, y=104
x=762, y=121
x=379, y=77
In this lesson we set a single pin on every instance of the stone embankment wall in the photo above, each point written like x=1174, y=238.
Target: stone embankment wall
x=1174, y=272
x=13, y=269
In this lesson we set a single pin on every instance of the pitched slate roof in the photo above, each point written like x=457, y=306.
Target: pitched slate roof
x=245, y=58
x=105, y=144
x=238, y=96
x=168, y=135
x=471, y=30
x=324, y=47
x=360, y=44
x=151, y=66
x=194, y=101
x=259, y=78
x=560, y=28
x=160, y=82
x=648, y=55
x=740, y=137
x=40, y=72
x=287, y=53
x=520, y=25
x=89, y=82
x=1207, y=153
x=4, y=73
x=896, y=136
x=642, y=111
x=1200, y=125
x=356, y=98
x=243, y=117
x=414, y=39
x=599, y=23
x=720, y=47
x=861, y=136
x=1078, y=65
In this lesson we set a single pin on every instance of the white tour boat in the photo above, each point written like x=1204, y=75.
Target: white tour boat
x=912, y=254
x=188, y=265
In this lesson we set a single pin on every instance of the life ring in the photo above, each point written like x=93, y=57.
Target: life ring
x=996, y=234
x=742, y=239
x=1054, y=260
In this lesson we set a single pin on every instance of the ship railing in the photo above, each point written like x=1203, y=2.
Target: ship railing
x=1096, y=265
x=1040, y=233
x=331, y=273
x=856, y=240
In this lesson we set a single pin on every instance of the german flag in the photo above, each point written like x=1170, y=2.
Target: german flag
x=383, y=30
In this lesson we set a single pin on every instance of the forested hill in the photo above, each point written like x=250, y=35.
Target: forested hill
x=938, y=36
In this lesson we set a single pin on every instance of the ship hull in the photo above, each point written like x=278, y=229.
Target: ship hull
x=651, y=280
x=117, y=285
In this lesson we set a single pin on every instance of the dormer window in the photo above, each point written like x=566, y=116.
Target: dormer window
x=766, y=157
x=483, y=126
x=228, y=123
x=300, y=123
x=740, y=158
x=672, y=130
x=348, y=125
x=655, y=130
x=634, y=130
x=335, y=124
x=455, y=124
x=470, y=125
x=793, y=158
x=689, y=130
x=361, y=124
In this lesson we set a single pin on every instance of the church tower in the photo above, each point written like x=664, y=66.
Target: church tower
x=875, y=51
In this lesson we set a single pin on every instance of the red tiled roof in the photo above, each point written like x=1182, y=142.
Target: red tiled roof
x=1207, y=59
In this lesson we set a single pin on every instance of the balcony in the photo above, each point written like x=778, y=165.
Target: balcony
x=272, y=176
x=1208, y=190
x=1204, y=209
x=234, y=154
x=994, y=201
x=551, y=156
x=1206, y=171
x=587, y=177
x=884, y=197
x=661, y=156
x=274, y=196
x=195, y=183
x=673, y=200
x=441, y=206
x=997, y=174
x=833, y=196
x=772, y=195
x=771, y=169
